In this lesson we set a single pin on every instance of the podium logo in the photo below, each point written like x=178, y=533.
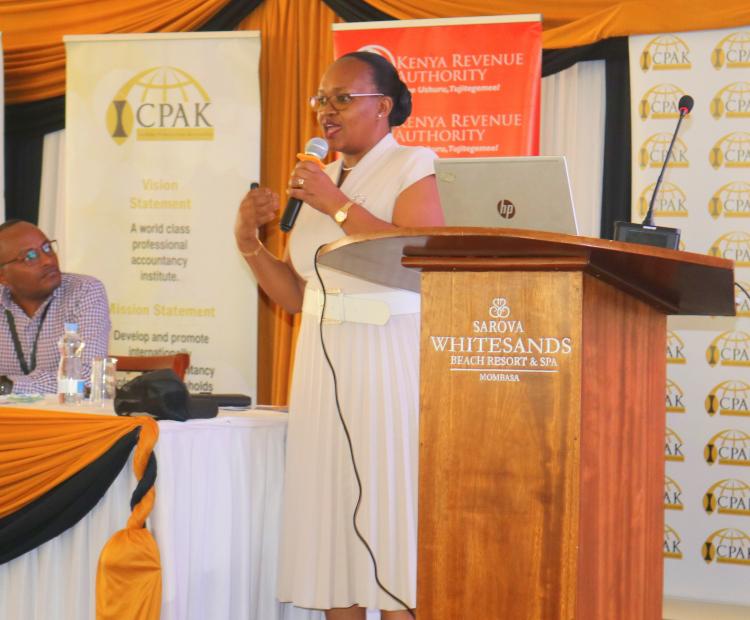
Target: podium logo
x=673, y=447
x=660, y=102
x=675, y=398
x=654, y=150
x=675, y=349
x=734, y=245
x=160, y=104
x=672, y=495
x=729, y=447
x=670, y=202
x=742, y=301
x=727, y=546
x=731, y=151
x=733, y=51
x=732, y=101
x=729, y=349
x=730, y=398
x=730, y=200
x=672, y=543
x=665, y=52
x=728, y=497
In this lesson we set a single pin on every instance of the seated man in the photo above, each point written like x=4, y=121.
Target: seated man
x=36, y=300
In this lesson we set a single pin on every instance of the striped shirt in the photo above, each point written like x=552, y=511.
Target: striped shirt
x=78, y=299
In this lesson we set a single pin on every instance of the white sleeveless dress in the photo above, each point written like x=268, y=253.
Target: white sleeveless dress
x=322, y=564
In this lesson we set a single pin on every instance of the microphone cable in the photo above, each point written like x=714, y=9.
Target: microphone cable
x=357, y=531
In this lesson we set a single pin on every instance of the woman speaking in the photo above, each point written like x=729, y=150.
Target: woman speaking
x=371, y=335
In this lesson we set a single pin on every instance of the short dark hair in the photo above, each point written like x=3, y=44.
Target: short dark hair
x=389, y=83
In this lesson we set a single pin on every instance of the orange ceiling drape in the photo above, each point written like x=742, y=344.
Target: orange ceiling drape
x=580, y=22
x=33, y=29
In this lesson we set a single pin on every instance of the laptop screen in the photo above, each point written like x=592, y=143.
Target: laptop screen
x=512, y=192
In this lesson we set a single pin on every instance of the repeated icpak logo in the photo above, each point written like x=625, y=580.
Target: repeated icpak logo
x=732, y=52
x=675, y=398
x=729, y=496
x=729, y=398
x=672, y=543
x=731, y=200
x=665, y=52
x=671, y=201
x=727, y=546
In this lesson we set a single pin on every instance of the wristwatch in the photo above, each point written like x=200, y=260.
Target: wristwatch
x=6, y=385
x=341, y=215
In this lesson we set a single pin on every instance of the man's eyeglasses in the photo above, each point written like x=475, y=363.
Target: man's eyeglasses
x=32, y=255
x=338, y=102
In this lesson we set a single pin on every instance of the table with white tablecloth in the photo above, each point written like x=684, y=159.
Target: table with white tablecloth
x=216, y=520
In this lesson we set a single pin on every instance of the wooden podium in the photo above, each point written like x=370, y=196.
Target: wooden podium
x=542, y=414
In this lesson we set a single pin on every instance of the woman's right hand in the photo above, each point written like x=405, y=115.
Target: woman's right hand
x=258, y=207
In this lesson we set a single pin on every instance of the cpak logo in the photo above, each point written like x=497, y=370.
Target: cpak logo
x=730, y=200
x=727, y=546
x=729, y=447
x=670, y=202
x=672, y=495
x=673, y=447
x=654, y=151
x=729, y=398
x=672, y=542
x=729, y=497
x=732, y=101
x=660, y=102
x=729, y=349
x=731, y=151
x=734, y=245
x=733, y=51
x=675, y=349
x=160, y=104
x=665, y=52
x=675, y=398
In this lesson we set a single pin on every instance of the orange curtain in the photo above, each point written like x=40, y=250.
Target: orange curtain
x=296, y=47
x=579, y=22
x=33, y=30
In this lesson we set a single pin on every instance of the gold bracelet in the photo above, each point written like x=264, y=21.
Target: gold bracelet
x=255, y=252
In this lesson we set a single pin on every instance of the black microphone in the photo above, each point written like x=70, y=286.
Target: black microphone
x=315, y=149
x=647, y=232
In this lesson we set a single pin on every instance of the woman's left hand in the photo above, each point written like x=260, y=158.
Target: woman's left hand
x=309, y=183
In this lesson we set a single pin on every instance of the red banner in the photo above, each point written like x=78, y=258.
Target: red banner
x=475, y=82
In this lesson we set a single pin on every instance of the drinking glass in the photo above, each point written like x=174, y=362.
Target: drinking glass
x=103, y=380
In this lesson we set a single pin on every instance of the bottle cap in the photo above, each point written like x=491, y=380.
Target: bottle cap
x=71, y=327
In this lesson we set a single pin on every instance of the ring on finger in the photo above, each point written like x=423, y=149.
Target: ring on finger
x=300, y=182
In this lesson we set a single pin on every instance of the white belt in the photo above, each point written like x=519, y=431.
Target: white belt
x=372, y=308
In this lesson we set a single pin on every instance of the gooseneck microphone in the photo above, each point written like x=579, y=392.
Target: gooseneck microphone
x=684, y=105
x=647, y=232
x=315, y=150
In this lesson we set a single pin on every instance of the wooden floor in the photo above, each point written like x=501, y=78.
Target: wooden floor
x=684, y=609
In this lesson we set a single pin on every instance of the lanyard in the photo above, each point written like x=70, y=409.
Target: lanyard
x=26, y=368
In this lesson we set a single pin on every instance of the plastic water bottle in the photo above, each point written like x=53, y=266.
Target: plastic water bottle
x=69, y=375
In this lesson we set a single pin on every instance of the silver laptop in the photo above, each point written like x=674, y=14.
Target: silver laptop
x=513, y=192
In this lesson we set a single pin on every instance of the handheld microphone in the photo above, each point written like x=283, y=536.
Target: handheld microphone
x=647, y=232
x=315, y=150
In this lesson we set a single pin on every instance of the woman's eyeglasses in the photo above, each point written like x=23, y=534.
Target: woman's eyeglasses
x=32, y=255
x=338, y=102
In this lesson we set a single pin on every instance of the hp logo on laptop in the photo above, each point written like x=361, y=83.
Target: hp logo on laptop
x=506, y=209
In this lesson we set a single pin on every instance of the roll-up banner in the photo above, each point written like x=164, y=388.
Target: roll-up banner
x=475, y=81
x=163, y=140
x=706, y=194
